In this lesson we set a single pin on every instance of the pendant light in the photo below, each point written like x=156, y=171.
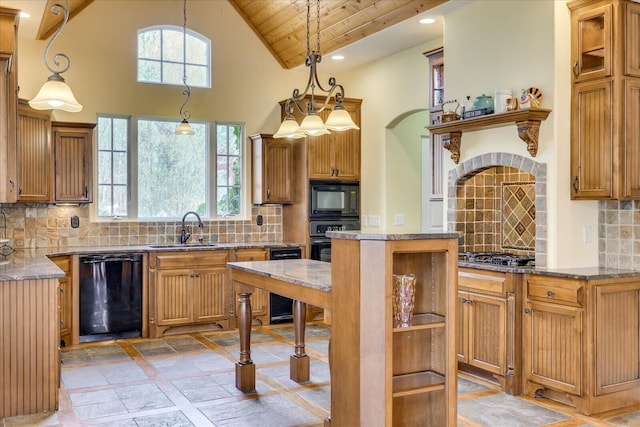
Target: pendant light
x=338, y=120
x=184, y=128
x=55, y=94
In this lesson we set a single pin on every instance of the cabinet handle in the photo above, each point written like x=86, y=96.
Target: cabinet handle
x=575, y=184
x=20, y=190
x=575, y=69
x=86, y=191
x=268, y=194
x=527, y=311
x=550, y=294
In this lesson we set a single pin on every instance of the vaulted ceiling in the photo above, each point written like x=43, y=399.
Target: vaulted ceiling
x=282, y=24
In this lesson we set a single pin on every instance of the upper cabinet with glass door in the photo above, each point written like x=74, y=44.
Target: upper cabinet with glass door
x=591, y=45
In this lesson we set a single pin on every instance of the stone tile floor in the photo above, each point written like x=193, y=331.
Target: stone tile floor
x=189, y=380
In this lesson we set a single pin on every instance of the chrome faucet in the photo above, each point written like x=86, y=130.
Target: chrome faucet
x=184, y=235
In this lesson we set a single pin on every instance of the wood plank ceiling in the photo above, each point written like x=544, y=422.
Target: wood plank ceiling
x=50, y=22
x=282, y=24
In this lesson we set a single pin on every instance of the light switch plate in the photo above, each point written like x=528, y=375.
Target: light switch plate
x=374, y=220
x=398, y=219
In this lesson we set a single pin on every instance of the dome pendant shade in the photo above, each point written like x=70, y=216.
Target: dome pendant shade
x=185, y=128
x=340, y=120
x=312, y=125
x=289, y=129
x=55, y=94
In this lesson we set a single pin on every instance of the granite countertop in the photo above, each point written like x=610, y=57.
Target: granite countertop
x=305, y=272
x=25, y=264
x=360, y=235
x=578, y=273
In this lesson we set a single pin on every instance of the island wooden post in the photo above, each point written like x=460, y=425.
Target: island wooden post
x=245, y=368
x=299, y=360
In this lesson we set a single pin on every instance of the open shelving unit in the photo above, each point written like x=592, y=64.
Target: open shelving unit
x=389, y=374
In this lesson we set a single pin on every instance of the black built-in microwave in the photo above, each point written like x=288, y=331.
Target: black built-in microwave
x=334, y=199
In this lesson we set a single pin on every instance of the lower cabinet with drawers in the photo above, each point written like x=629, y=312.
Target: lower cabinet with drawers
x=581, y=341
x=189, y=291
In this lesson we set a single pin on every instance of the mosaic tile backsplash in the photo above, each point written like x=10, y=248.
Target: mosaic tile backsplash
x=42, y=225
x=619, y=234
x=495, y=211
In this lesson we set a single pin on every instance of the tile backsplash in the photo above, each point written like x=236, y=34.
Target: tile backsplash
x=43, y=225
x=495, y=211
x=619, y=234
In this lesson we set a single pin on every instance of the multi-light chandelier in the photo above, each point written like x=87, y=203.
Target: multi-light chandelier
x=55, y=94
x=184, y=128
x=338, y=120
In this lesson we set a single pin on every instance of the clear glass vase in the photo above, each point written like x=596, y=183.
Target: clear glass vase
x=403, y=298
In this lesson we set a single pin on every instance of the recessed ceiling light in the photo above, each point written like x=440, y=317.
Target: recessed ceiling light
x=427, y=21
x=24, y=14
x=337, y=57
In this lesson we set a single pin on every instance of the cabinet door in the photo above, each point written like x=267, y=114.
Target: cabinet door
x=277, y=172
x=173, y=297
x=631, y=139
x=591, y=141
x=632, y=48
x=552, y=353
x=487, y=333
x=259, y=297
x=211, y=295
x=34, y=154
x=73, y=163
x=8, y=129
x=320, y=154
x=65, y=302
x=591, y=43
x=346, y=155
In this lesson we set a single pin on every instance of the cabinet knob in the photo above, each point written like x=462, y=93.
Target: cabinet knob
x=550, y=294
x=527, y=311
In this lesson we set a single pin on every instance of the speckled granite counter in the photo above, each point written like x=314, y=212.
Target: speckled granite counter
x=304, y=272
x=359, y=235
x=579, y=273
x=25, y=264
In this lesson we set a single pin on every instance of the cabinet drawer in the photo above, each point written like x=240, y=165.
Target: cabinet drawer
x=482, y=281
x=191, y=259
x=550, y=289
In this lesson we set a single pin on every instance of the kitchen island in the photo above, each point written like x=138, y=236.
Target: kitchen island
x=304, y=281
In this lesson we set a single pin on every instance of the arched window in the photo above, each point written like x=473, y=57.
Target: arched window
x=161, y=56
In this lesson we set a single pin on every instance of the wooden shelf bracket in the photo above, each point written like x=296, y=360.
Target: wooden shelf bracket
x=527, y=122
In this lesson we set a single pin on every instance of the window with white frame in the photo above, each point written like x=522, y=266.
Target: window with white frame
x=162, y=57
x=168, y=174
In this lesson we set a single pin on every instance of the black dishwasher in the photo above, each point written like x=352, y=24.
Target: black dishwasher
x=110, y=296
x=281, y=308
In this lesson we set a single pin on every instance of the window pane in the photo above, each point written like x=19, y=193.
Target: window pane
x=222, y=201
x=172, y=73
x=149, y=45
x=149, y=71
x=197, y=76
x=120, y=168
x=104, y=200
x=171, y=169
x=234, y=141
x=222, y=175
x=120, y=134
x=104, y=133
x=172, y=46
x=196, y=51
x=222, y=140
x=234, y=171
x=104, y=167
x=120, y=200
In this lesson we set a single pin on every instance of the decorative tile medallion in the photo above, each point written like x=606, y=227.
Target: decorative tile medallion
x=518, y=215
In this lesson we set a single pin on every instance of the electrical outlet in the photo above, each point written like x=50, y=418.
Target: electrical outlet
x=259, y=220
x=374, y=220
x=398, y=219
x=363, y=221
x=75, y=221
x=586, y=234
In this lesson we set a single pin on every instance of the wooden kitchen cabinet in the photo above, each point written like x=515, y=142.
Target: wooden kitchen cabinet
x=189, y=291
x=581, y=340
x=66, y=299
x=272, y=164
x=605, y=130
x=487, y=342
x=385, y=375
x=73, y=162
x=34, y=154
x=9, y=19
x=259, y=297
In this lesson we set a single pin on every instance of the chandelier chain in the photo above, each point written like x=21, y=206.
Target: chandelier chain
x=318, y=26
x=185, y=114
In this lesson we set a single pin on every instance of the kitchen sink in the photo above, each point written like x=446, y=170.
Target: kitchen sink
x=184, y=245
